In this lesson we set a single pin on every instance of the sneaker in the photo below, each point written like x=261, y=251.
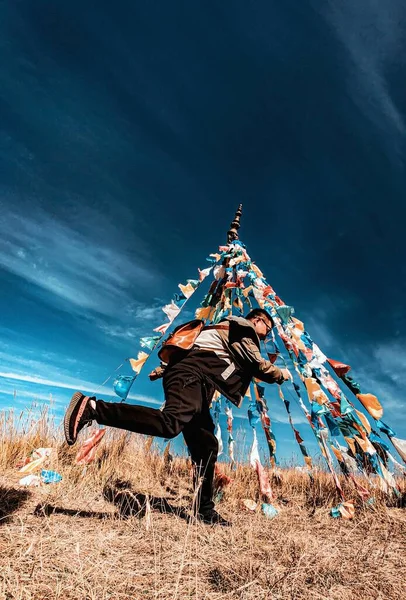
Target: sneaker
x=211, y=517
x=78, y=415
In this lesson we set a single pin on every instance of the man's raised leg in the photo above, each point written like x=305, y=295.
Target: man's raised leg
x=183, y=399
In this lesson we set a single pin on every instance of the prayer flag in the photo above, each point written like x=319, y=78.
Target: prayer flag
x=122, y=385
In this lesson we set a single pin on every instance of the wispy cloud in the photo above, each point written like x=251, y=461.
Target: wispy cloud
x=143, y=312
x=24, y=364
x=69, y=383
x=392, y=361
x=138, y=319
x=23, y=359
x=366, y=75
x=35, y=374
x=89, y=274
x=119, y=331
x=319, y=323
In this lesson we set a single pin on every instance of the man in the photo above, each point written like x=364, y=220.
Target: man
x=225, y=357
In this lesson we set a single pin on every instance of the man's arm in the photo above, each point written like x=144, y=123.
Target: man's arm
x=263, y=369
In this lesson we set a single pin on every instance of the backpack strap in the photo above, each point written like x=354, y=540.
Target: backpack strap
x=206, y=327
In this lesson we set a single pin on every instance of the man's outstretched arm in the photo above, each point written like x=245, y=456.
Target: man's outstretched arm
x=264, y=369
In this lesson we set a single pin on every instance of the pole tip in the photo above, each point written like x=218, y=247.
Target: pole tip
x=232, y=233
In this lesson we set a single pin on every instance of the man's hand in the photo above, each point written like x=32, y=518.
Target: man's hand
x=286, y=374
x=156, y=373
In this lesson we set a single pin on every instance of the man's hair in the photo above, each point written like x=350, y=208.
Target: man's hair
x=260, y=312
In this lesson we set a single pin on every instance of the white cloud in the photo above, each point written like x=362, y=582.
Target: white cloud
x=34, y=374
x=320, y=332
x=89, y=274
x=145, y=312
x=69, y=383
x=119, y=331
x=20, y=358
x=324, y=312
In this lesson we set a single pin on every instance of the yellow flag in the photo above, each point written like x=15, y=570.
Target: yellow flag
x=138, y=363
x=238, y=303
x=187, y=289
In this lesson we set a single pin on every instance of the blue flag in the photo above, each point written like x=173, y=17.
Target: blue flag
x=122, y=385
x=285, y=312
x=149, y=342
x=385, y=429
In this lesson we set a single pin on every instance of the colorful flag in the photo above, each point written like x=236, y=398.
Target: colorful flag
x=122, y=385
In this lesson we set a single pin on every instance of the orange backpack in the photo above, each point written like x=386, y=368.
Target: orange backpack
x=180, y=340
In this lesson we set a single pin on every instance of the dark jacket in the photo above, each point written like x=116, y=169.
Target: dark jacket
x=243, y=346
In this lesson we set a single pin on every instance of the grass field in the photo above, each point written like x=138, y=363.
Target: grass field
x=113, y=530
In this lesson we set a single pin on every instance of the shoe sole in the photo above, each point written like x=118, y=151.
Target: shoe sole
x=77, y=399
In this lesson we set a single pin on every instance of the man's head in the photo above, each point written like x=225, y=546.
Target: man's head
x=262, y=321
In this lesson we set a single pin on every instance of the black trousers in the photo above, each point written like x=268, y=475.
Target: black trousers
x=187, y=397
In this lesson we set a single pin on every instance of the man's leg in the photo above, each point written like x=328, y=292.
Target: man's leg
x=183, y=399
x=203, y=447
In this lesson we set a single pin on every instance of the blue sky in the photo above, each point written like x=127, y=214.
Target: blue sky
x=131, y=131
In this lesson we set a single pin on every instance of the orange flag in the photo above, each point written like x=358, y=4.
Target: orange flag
x=372, y=404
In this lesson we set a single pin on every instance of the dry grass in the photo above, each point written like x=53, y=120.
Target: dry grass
x=91, y=537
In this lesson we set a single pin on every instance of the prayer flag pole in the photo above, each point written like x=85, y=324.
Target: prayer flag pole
x=334, y=420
